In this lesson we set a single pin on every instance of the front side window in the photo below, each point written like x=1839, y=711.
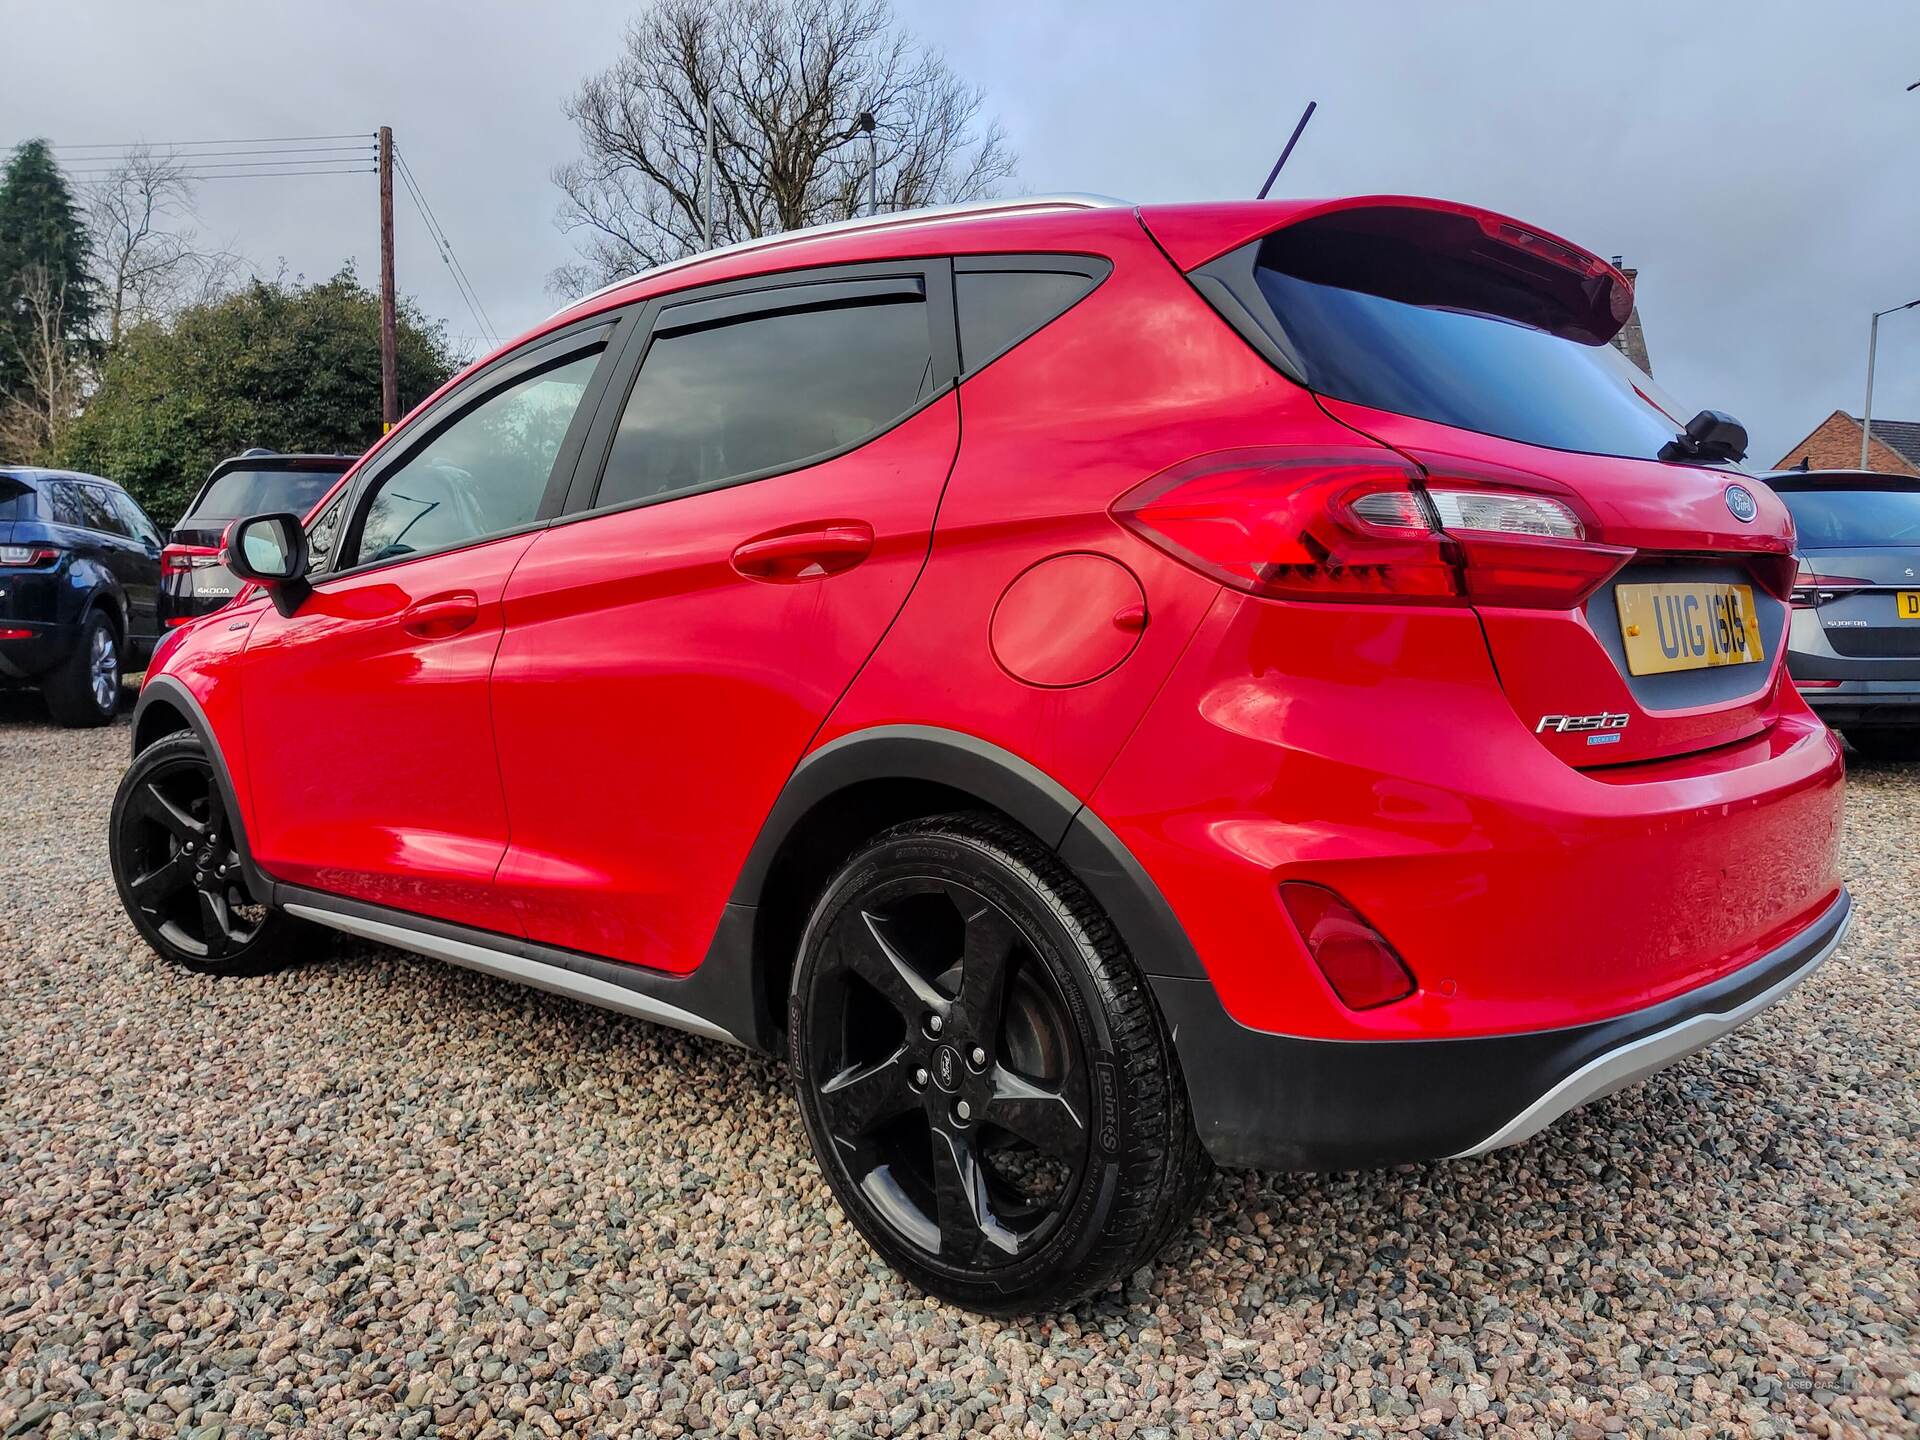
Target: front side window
x=323, y=533
x=765, y=392
x=484, y=474
x=135, y=520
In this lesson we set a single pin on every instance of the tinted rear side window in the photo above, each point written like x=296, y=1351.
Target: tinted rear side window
x=83, y=506
x=1854, y=519
x=251, y=492
x=1000, y=308
x=765, y=392
x=16, y=499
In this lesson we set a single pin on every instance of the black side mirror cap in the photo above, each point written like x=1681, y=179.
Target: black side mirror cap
x=271, y=552
x=1712, y=435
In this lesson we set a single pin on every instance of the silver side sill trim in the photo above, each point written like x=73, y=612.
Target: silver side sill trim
x=551, y=978
x=1638, y=1059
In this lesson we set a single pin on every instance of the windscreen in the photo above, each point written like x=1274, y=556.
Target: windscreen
x=253, y=492
x=1854, y=519
x=1471, y=370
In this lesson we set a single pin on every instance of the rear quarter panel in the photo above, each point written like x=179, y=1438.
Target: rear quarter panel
x=1139, y=375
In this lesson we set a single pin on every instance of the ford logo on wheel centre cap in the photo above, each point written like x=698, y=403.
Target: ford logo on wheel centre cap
x=1741, y=502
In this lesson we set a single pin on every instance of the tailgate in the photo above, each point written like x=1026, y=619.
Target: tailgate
x=1867, y=601
x=1696, y=575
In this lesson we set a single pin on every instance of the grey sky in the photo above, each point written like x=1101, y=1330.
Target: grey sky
x=1757, y=162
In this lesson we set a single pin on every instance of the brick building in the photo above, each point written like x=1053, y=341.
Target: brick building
x=1834, y=444
x=1631, y=341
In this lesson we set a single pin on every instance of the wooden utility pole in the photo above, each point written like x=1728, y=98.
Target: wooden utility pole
x=389, y=380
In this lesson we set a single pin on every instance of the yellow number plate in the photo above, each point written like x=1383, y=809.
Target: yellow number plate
x=1906, y=604
x=1688, y=627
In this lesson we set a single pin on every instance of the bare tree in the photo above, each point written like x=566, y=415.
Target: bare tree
x=787, y=79
x=35, y=417
x=146, y=256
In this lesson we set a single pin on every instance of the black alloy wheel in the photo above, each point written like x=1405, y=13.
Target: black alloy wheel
x=969, y=1055
x=176, y=862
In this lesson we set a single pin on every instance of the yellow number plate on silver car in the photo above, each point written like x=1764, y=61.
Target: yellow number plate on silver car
x=1688, y=627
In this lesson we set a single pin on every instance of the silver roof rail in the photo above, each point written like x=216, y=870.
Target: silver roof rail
x=1018, y=205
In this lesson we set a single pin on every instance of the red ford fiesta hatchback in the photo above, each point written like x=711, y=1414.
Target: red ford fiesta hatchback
x=1104, y=689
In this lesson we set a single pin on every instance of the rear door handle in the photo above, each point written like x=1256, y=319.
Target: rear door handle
x=805, y=554
x=439, y=616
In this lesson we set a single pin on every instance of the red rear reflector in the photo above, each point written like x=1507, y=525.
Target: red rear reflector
x=1357, y=961
x=1815, y=684
x=14, y=632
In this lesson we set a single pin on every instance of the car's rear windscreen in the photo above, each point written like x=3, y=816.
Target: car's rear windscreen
x=1475, y=371
x=252, y=492
x=1854, y=519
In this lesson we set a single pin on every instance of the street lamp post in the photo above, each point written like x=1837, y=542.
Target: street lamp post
x=1873, y=344
x=865, y=121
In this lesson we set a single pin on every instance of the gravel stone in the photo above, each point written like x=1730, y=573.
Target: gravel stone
x=380, y=1196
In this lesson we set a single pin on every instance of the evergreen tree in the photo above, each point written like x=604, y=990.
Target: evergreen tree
x=288, y=366
x=40, y=231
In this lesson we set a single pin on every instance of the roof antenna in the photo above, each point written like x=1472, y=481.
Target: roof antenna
x=1292, y=140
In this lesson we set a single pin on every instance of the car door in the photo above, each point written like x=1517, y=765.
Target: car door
x=370, y=750
x=764, y=507
x=99, y=562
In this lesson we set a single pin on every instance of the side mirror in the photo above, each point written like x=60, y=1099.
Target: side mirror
x=271, y=551
x=1711, y=435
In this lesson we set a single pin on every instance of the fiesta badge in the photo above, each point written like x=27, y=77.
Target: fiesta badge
x=1741, y=502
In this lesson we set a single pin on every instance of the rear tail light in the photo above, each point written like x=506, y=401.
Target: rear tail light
x=1356, y=959
x=14, y=632
x=28, y=554
x=1365, y=526
x=179, y=559
x=1810, y=589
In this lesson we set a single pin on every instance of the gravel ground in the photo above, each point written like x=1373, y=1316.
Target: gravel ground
x=380, y=1196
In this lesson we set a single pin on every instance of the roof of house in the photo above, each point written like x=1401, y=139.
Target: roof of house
x=1900, y=435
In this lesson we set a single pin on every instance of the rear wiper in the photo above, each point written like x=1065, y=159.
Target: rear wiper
x=1712, y=437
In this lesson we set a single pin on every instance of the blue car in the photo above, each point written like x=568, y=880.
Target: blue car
x=79, y=589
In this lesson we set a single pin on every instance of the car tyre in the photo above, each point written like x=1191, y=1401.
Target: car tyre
x=986, y=1081
x=1886, y=744
x=176, y=862
x=84, y=689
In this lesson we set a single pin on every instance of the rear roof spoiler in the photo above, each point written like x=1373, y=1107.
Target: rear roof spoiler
x=1412, y=249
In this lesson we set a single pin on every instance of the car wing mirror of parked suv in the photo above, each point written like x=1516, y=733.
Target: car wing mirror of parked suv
x=271, y=551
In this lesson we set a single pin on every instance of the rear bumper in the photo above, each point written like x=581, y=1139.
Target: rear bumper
x=1867, y=704
x=1280, y=1102
x=28, y=659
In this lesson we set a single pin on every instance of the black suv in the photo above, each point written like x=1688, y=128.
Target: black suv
x=79, y=589
x=193, y=580
x=1855, y=646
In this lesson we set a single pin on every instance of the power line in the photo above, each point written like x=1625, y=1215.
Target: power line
x=191, y=144
x=245, y=164
x=453, y=260
x=439, y=236
x=195, y=157
x=196, y=175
